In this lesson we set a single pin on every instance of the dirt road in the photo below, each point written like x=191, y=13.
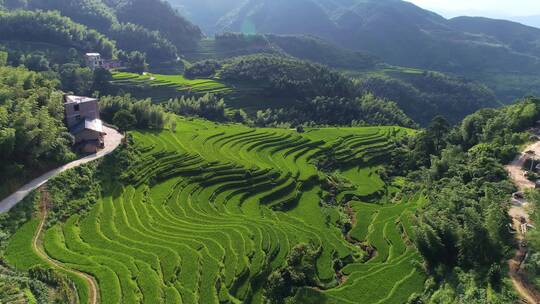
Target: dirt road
x=36, y=244
x=112, y=141
x=519, y=211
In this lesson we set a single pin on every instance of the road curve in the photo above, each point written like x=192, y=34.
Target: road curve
x=112, y=141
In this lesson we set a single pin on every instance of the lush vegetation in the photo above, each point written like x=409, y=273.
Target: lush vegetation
x=462, y=231
x=214, y=212
x=286, y=78
x=132, y=37
x=161, y=87
x=423, y=95
x=158, y=15
x=228, y=45
x=51, y=27
x=141, y=114
x=92, y=13
x=285, y=84
x=126, y=22
x=32, y=132
x=366, y=110
x=397, y=31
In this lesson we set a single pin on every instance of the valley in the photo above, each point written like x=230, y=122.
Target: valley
x=266, y=152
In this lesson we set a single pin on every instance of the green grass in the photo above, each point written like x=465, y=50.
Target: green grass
x=225, y=206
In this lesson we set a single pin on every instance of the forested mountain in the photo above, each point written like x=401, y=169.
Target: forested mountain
x=425, y=95
x=159, y=16
x=206, y=13
x=398, y=32
x=311, y=48
x=520, y=38
x=421, y=95
x=280, y=17
x=152, y=27
x=53, y=28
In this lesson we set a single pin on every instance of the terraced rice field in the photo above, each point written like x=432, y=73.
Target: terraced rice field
x=213, y=209
x=162, y=87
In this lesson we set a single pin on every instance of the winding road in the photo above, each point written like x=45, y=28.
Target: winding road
x=112, y=141
x=519, y=211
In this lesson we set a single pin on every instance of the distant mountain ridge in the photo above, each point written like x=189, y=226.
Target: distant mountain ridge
x=399, y=32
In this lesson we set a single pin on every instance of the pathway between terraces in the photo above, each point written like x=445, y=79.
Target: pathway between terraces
x=112, y=141
x=518, y=211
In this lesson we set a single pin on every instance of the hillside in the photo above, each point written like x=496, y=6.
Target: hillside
x=206, y=13
x=302, y=47
x=151, y=27
x=279, y=17
x=424, y=39
x=213, y=221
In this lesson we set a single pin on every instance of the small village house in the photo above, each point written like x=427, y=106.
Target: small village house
x=95, y=61
x=83, y=122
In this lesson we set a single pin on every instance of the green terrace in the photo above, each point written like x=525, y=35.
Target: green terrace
x=162, y=87
x=211, y=210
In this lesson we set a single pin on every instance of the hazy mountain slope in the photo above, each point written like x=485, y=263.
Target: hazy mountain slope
x=205, y=13
x=160, y=16
x=514, y=35
x=397, y=31
x=280, y=17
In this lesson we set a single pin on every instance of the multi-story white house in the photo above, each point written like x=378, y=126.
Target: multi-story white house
x=82, y=119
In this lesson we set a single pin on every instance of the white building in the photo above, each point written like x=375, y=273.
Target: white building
x=94, y=61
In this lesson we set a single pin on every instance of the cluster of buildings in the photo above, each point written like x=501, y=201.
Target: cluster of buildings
x=81, y=114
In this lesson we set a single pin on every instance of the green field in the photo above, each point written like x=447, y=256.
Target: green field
x=162, y=87
x=213, y=209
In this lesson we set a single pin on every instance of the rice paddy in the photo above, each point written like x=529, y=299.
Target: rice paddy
x=213, y=209
x=163, y=87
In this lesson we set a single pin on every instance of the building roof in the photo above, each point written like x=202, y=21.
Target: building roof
x=93, y=54
x=87, y=124
x=77, y=99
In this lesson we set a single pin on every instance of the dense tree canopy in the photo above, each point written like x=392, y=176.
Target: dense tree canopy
x=51, y=27
x=287, y=77
x=131, y=37
x=423, y=96
x=464, y=225
x=92, y=13
x=158, y=15
x=32, y=132
x=366, y=110
x=146, y=115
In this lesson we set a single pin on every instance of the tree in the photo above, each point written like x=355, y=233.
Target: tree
x=102, y=79
x=124, y=120
x=76, y=79
x=300, y=270
x=135, y=61
x=438, y=129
